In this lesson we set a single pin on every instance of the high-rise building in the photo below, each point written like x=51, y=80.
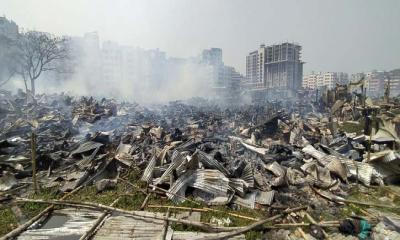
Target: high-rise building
x=223, y=80
x=275, y=69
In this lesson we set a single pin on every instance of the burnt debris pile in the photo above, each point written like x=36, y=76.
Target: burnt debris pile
x=273, y=159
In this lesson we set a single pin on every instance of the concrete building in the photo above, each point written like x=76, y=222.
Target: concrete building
x=317, y=80
x=311, y=80
x=394, y=77
x=233, y=80
x=212, y=56
x=374, y=82
x=223, y=80
x=274, y=70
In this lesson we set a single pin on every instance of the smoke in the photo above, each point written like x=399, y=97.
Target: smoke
x=127, y=73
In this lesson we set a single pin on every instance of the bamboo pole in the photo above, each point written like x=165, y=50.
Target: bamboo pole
x=98, y=222
x=146, y=200
x=299, y=229
x=312, y=220
x=204, y=210
x=370, y=138
x=179, y=208
x=295, y=225
x=33, y=158
x=165, y=226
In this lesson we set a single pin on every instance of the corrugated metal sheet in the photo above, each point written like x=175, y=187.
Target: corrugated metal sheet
x=278, y=171
x=63, y=224
x=248, y=176
x=208, y=180
x=248, y=201
x=239, y=185
x=176, y=160
x=309, y=149
x=265, y=198
x=129, y=227
x=211, y=181
x=210, y=162
x=336, y=166
x=85, y=147
x=148, y=172
x=384, y=156
x=391, y=156
x=176, y=192
x=317, y=175
x=191, y=143
x=365, y=170
x=210, y=199
x=256, y=149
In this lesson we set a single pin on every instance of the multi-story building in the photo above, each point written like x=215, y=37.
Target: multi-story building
x=275, y=70
x=212, y=56
x=374, y=82
x=394, y=78
x=310, y=81
x=233, y=79
x=224, y=80
x=317, y=80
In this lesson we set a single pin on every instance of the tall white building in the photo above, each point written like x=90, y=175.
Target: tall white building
x=317, y=80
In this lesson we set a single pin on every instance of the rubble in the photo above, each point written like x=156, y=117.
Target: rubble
x=245, y=157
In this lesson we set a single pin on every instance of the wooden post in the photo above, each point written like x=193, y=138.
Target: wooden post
x=370, y=135
x=165, y=226
x=33, y=157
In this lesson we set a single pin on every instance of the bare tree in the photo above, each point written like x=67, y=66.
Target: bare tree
x=39, y=52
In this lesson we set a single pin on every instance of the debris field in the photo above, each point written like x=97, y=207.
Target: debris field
x=85, y=168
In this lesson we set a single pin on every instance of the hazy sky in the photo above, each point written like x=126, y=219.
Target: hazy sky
x=336, y=35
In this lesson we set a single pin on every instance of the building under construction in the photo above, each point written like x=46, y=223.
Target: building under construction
x=274, y=71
